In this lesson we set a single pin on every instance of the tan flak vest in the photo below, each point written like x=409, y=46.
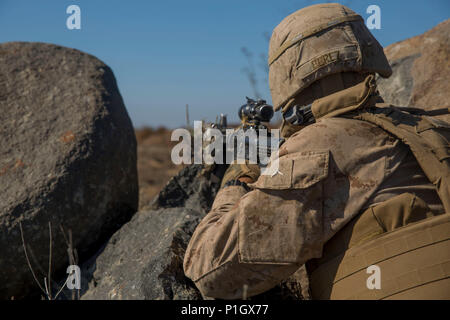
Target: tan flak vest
x=399, y=242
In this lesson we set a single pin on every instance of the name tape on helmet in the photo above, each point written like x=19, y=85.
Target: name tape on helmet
x=313, y=31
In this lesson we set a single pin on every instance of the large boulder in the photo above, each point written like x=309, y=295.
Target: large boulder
x=420, y=70
x=144, y=259
x=67, y=156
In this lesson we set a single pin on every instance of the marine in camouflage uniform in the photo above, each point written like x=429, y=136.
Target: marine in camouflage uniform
x=344, y=182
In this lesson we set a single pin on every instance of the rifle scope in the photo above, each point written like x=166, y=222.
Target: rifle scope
x=256, y=110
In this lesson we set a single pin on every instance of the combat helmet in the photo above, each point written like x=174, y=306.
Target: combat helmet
x=318, y=41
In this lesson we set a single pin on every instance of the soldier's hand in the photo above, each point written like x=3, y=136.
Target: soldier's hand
x=247, y=173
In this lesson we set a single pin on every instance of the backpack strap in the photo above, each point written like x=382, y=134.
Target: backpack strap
x=427, y=138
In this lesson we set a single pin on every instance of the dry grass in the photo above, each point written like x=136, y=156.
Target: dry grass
x=155, y=166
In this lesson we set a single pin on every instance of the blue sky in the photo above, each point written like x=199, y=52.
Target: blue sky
x=166, y=54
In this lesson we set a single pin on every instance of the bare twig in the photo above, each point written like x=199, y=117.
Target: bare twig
x=72, y=258
x=244, y=292
x=73, y=255
x=35, y=261
x=46, y=287
x=263, y=65
x=63, y=232
x=50, y=261
x=39, y=267
x=65, y=283
x=28, y=260
x=250, y=72
x=68, y=241
x=188, y=123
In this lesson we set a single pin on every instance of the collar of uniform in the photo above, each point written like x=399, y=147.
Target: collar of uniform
x=346, y=100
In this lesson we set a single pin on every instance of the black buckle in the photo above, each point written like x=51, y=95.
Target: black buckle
x=237, y=183
x=299, y=115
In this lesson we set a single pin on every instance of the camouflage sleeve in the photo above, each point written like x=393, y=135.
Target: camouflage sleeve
x=258, y=238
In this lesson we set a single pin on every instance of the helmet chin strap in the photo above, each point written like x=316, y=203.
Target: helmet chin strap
x=298, y=110
x=336, y=94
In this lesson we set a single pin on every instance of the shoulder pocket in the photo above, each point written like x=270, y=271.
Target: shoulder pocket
x=298, y=170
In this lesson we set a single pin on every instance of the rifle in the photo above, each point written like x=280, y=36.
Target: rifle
x=251, y=140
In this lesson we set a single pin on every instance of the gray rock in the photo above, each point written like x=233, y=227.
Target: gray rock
x=184, y=190
x=397, y=89
x=67, y=156
x=144, y=259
